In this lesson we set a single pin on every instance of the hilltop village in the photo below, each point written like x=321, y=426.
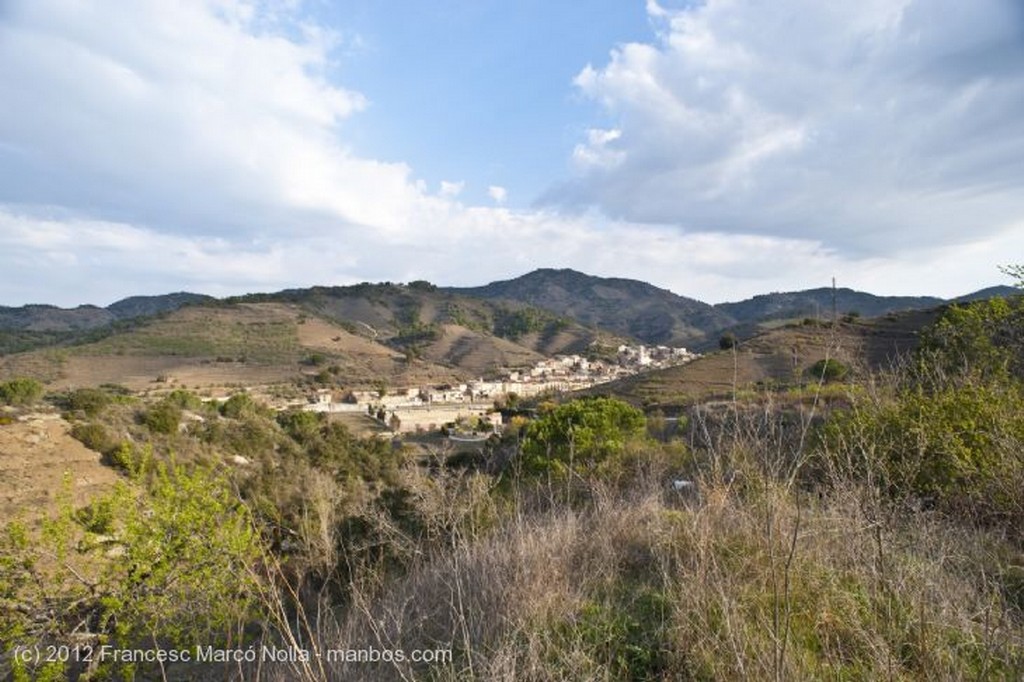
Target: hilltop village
x=426, y=408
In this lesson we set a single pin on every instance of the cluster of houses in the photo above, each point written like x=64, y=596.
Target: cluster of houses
x=412, y=409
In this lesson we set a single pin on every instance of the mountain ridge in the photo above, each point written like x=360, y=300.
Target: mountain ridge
x=627, y=307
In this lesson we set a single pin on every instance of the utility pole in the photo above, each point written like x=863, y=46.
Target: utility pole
x=835, y=317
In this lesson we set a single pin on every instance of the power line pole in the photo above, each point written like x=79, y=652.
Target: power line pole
x=834, y=315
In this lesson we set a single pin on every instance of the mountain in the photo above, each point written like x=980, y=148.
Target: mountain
x=339, y=336
x=442, y=325
x=990, y=292
x=511, y=322
x=624, y=306
x=48, y=318
x=138, y=306
x=817, y=303
x=658, y=316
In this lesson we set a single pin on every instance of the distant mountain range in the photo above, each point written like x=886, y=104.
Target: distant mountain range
x=623, y=306
x=48, y=318
x=643, y=311
x=548, y=309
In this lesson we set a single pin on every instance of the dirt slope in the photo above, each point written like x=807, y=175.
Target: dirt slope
x=35, y=453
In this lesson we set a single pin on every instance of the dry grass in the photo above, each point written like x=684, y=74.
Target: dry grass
x=751, y=581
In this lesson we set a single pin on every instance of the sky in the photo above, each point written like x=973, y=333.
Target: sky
x=716, y=148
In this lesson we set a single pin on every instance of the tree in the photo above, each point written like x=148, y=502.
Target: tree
x=727, y=341
x=582, y=433
x=1015, y=271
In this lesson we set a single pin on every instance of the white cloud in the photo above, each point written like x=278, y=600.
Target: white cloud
x=870, y=126
x=163, y=146
x=498, y=194
x=450, y=190
x=197, y=111
x=599, y=150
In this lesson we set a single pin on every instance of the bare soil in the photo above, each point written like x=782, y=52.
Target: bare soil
x=37, y=452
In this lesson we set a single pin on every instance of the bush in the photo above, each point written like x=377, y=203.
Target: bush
x=982, y=340
x=582, y=433
x=94, y=436
x=829, y=369
x=727, y=341
x=314, y=359
x=21, y=391
x=164, y=417
x=241, y=405
x=97, y=517
x=958, y=446
x=299, y=424
x=185, y=400
x=91, y=401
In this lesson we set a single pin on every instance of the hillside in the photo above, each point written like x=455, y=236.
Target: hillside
x=416, y=317
x=548, y=311
x=778, y=357
x=48, y=318
x=624, y=306
x=221, y=345
x=362, y=334
x=658, y=316
x=36, y=450
x=817, y=303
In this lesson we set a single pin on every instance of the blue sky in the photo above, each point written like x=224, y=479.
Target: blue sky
x=718, y=148
x=477, y=89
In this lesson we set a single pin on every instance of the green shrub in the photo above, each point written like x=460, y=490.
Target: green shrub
x=314, y=359
x=91, y=401
x=828, y=369
x=586, y=433
x=241, y=405
x=93, y=436
x=300, y=424
x=98, y=516
x=186, y=575
x=184, y=399
x=980, y=340
x=21, y=391
x=164, y=417
x=958, y=445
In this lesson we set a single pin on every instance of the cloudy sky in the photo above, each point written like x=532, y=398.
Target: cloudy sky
x=719, y=149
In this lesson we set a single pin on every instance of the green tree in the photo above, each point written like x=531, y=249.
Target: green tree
x=586, y=434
